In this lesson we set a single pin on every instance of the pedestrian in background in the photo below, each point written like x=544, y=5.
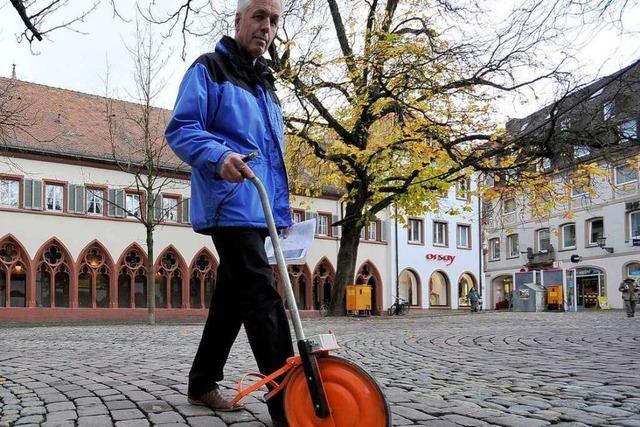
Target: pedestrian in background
x=630, y=294
x=474, y=299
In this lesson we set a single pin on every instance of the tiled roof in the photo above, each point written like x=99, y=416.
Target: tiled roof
x=66, y=123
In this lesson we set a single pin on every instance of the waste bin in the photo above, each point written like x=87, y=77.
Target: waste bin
x=529, y=297
x=555, y=300
x=358, y=300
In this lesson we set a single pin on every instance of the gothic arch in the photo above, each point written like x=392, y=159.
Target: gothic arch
x=410, y=286
x=56, y=282
x=324, y=276
x=16, y=275
x=368, y=275
x=171, y=279
x=202, y=279
x=131, y=282
x=96, y=277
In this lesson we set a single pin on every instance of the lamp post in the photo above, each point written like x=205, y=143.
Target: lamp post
x=395, y=208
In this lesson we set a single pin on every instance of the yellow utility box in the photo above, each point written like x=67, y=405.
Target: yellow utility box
x=555, y=299
x=358, y=300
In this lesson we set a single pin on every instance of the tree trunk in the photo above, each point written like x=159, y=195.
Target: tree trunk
x=151, y=280
x=347, y=257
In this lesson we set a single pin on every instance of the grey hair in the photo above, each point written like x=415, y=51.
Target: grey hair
x=243, y=4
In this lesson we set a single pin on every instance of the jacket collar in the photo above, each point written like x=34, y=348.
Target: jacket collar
x=243, y=66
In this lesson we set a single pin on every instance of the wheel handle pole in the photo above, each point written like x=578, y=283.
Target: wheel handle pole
x=282, y=267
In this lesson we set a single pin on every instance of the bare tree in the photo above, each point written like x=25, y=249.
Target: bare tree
x=136, y=134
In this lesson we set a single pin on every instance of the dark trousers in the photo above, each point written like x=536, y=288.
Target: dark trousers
x=630, y=307
x=245, y=293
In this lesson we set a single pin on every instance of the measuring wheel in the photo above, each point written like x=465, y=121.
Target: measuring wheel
x=353, y=395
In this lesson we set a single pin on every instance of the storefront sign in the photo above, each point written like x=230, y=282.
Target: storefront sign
x=439, y=257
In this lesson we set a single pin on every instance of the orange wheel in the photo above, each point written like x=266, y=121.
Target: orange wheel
x=354, y=397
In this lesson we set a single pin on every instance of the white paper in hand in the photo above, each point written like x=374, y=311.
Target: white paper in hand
x=295, y=245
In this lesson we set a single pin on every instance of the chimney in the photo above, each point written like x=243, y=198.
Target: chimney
x=13, y=71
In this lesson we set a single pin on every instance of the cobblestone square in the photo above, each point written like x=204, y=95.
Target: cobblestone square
x=506, y=369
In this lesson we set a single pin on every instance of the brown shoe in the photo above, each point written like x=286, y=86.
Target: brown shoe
x=216, y=401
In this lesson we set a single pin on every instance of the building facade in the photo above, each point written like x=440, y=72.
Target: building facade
x=590, y=239
x=72, y=248
x=439, y=253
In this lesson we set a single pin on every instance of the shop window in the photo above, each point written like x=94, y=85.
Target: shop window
x=494, y=249
x=625, y=175
x=415, y=232
x=54, y=197
x=633, y=269
x=438, y=290
x=9, y=193
x=463, y=236
x=465, y=284
x=568, y=236
x=595, y=230
x=513, y=247
x=440, y=233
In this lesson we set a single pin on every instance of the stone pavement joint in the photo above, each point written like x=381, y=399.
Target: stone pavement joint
x=504, y=369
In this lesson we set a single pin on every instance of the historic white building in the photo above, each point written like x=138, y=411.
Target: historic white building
x=590, y=241
x=68, y=250
x=439, y=255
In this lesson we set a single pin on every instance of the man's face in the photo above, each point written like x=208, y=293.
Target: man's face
x=256, y=26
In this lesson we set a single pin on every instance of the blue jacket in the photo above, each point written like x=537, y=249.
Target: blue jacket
x=226, y=104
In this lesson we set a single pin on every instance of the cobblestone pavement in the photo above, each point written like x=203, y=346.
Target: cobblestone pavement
x=507, y=369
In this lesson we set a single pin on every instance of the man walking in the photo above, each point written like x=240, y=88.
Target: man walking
x=474, y=299
x=630, y=291
x=226, y=108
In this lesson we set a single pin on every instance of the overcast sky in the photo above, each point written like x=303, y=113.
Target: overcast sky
x=78, y=62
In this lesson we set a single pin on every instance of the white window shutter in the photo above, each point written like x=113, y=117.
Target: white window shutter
x=79, y=199
x=71, y=198
x=384, y=230
x=27, y=201
x=336, y=231
x=36, y=201
x=120, y=200
x=157, y=208
x=186, y=207
x=111, y=202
